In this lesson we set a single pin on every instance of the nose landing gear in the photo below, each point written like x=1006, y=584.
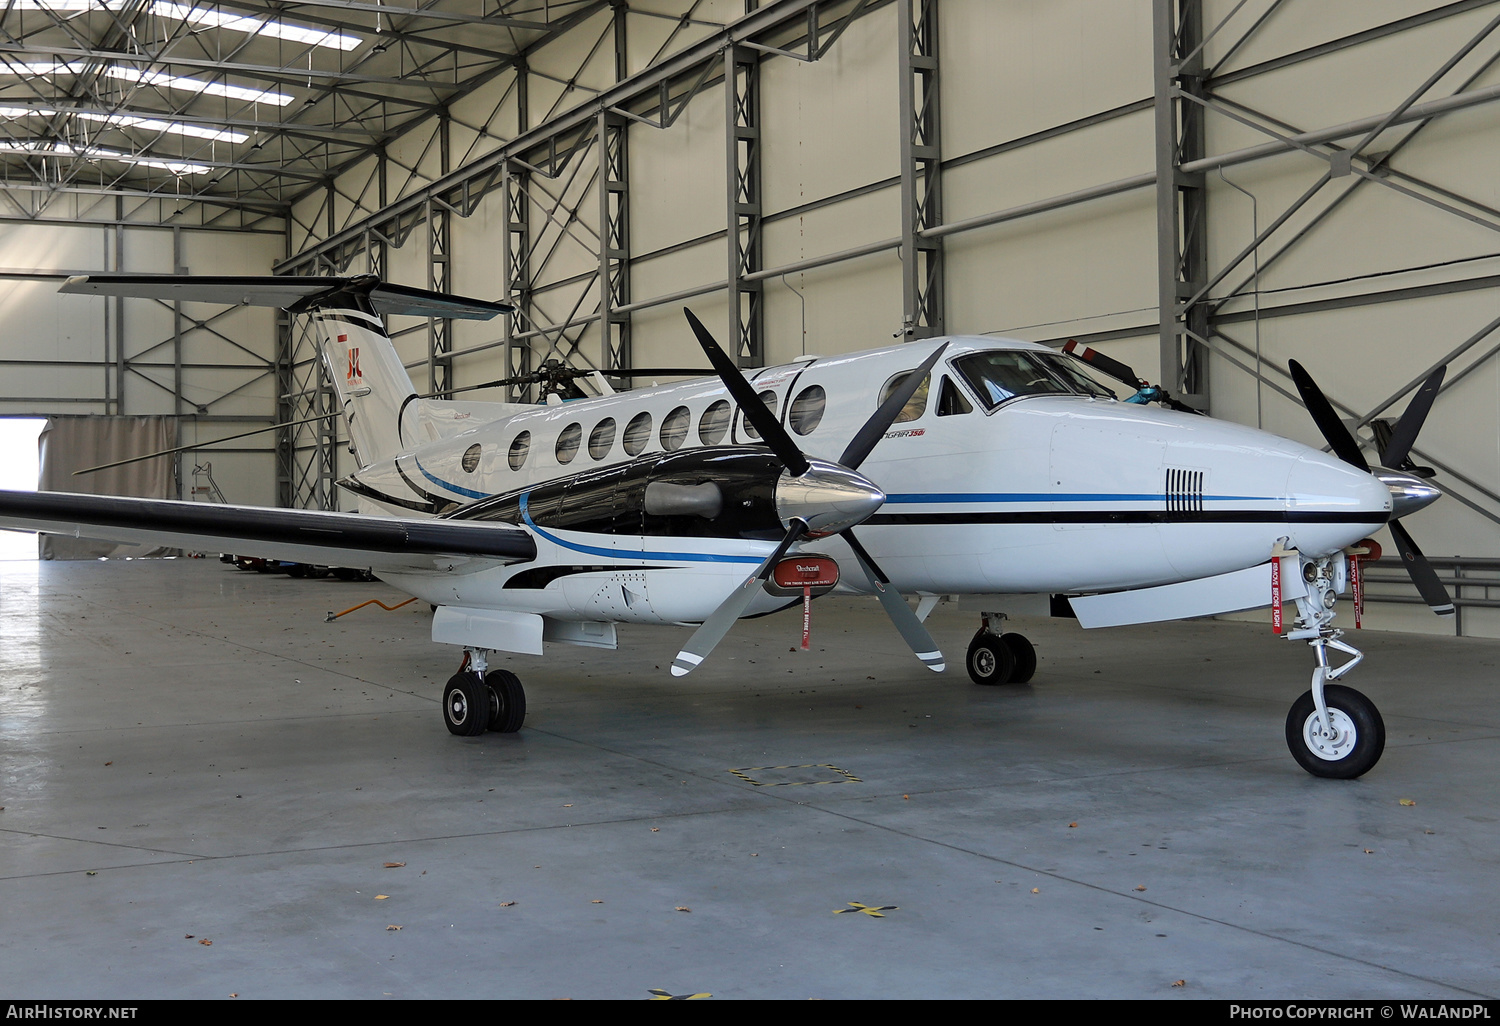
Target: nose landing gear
x=477, y=698
x=1332, y=731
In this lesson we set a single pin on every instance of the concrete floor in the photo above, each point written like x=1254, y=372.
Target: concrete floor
x=191, y=754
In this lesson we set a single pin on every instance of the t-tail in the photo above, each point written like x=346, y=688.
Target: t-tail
x=373, y=386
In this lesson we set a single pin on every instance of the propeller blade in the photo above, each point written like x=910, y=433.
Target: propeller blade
x=1422, y=573
x=878, y=424
x=896, y=608
x=712, y=631
x=764, y=421
x=1321, y=410
x=1105, y=364
x=1404, y=434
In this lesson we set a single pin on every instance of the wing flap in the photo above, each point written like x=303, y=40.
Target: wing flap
x=310, y=536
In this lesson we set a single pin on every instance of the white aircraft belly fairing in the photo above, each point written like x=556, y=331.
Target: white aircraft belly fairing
x=968, y=466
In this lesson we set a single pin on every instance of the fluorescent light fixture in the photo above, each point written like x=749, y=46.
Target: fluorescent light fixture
x=51, y=149
x=126, y=73
x=132, y=121
x=204, y=17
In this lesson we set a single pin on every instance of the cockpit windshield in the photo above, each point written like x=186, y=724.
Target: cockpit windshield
x=1001, y=374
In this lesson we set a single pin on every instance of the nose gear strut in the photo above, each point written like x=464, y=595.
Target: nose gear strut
x=1332, y=731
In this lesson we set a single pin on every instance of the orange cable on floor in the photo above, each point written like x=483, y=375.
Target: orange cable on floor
x=373, y=602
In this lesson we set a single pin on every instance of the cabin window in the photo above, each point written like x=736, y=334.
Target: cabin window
x=951, y=401
x=714, y=423
x=602, y=438
x=470, y=461
x=807, y=409
x=916, y=405
x=567, y=443
x=769, y=398
x=674, y=429
x=638, y=434
x=519, y=450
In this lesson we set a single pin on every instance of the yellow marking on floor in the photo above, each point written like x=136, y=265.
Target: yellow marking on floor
x=878, y=911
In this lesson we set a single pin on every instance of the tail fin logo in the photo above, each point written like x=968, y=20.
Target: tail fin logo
x=354, y=371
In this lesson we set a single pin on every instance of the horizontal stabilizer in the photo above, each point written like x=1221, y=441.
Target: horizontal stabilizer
x=298, y=535
x=282, y=291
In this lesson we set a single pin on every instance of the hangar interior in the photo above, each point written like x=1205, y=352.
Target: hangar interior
x=1319, y=189
x=1203, y=189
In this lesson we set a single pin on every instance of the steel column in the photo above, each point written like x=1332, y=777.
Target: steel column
x=743, y=181
x=614, y=240
x=1181, y=200
x=921, y=172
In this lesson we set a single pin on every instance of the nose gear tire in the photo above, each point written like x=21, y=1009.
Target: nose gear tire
x=1351, y=749
x=466, y=705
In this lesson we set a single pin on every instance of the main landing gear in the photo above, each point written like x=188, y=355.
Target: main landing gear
x=1332, y=731
x=477, y=698
x=999, y=658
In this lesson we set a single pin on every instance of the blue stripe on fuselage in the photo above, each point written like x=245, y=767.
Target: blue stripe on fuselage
x=1061, y=497
x=444, y=484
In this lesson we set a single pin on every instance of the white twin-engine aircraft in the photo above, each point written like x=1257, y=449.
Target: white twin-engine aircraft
x=999, y=471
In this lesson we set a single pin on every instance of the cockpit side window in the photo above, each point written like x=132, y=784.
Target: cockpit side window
x=951, y=401
x=1002, y=374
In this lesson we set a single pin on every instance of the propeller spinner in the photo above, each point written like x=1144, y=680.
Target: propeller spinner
x=813, y=498
x=1409, y=492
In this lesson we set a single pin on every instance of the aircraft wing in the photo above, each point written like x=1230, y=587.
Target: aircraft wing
x=296, y=535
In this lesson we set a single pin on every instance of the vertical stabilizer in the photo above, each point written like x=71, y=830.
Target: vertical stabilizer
x=371, y=383
x=373, y=387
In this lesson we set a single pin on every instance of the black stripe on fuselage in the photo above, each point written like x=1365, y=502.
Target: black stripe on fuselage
x=1105, y=517
x=360, y=488
x=539, y=577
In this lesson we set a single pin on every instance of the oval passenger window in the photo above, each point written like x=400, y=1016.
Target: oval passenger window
x=602, y=438
x=769, y=398
x=637, y=434
x=519, y=450
x=674, y=429
x=567, y=443
x=807, y=409
x=714, y=423
x=470, y=462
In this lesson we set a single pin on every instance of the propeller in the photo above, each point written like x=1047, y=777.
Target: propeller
x=1409, y=493
x=816, y=498
x=1108, y=365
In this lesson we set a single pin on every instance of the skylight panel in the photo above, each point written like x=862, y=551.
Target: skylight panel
x=126, y=73
x=203, y=17
x=50, y=149
x=133, y=121
x=209, y=18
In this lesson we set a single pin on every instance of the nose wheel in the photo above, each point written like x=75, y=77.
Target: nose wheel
x=1342, y=745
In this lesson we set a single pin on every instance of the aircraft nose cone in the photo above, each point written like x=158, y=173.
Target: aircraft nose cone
x=1409, y=493
x=828, y=497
